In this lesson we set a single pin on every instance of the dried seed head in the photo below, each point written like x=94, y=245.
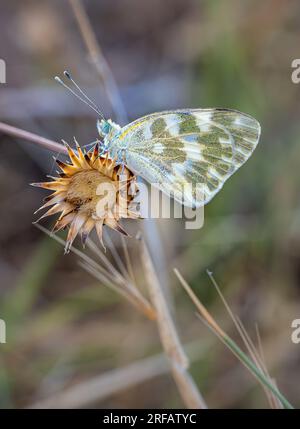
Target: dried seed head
x=91, y=191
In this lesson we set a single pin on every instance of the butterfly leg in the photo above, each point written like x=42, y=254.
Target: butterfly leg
x=122, y=159
x=91, y=145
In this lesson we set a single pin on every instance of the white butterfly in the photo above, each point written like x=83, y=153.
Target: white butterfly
x=173, y=149
x=179, y=149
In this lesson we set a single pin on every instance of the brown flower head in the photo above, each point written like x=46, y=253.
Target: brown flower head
x=90, y=191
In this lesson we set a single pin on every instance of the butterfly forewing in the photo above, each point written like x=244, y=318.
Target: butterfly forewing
x=190, y=153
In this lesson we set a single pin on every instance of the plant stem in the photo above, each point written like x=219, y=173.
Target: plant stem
x=169, y=337
x=99, y=61
x=32, y=138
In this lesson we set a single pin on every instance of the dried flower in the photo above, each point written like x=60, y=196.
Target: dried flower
x=91, y=191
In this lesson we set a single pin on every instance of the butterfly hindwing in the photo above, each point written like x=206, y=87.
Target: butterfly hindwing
x=190, y=153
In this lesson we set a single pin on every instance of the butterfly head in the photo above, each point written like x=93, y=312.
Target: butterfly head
x=104, y=127
x=107, y=130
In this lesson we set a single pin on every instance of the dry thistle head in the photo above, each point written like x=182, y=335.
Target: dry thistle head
x=91, y=191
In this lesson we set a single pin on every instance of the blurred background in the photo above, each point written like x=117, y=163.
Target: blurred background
x=64, y=328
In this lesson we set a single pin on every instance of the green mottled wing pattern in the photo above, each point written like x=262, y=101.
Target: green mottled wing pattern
x=177, y=150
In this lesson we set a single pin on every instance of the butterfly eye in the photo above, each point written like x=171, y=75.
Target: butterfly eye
x=104, y=127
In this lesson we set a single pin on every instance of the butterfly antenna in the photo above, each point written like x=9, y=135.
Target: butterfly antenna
x=83, y=97
x=68, y=75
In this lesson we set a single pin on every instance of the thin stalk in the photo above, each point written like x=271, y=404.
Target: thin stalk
x=247, y=362
x=97, y=57
x=32, y=138
x=169, y=336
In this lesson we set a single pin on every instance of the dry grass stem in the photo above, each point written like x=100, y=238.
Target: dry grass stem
x=255, y=366
x=32, y=138
x=111, y=279
x=251, y=348
x=128, y=260
x=198, y=304
x=112, y=382
x=116, y=256
x=169, y=337
x=99, y=60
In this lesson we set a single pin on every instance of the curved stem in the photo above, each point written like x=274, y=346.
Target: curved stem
x=32, y=138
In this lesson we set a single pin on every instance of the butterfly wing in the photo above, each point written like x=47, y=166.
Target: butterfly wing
x=189, y=154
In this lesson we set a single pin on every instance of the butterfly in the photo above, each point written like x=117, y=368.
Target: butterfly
x=177, y=150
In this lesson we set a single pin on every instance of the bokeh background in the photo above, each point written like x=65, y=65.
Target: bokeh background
x=65, y=328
